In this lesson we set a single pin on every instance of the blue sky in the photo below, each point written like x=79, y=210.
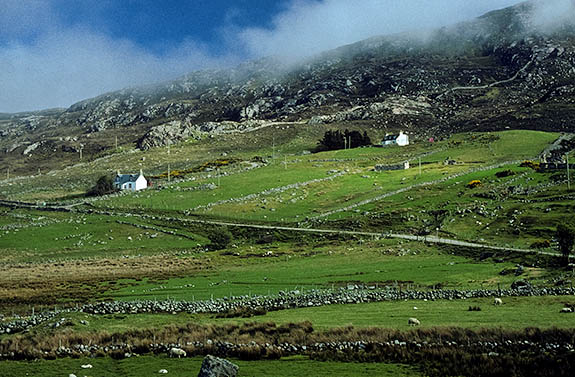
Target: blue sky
x=56, y=52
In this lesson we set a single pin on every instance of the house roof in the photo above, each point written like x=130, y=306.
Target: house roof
x=126, y=178
x=390, y=137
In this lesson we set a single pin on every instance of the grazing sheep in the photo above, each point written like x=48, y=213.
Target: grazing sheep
x=566, y=310
x=163, y=371
x=497, y=301
x=177, y=352
x=413, y=322
x=87, y=366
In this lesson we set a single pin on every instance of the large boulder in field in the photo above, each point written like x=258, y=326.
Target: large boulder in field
x=521, y=285
x=216, y=367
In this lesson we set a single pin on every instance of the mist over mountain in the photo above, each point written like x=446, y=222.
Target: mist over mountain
x=510, y=68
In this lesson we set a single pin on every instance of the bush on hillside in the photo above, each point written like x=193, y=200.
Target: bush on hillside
x=530, y=164
x=504, y=173
x=104, y=186
x=219, y=238
x=473, y=184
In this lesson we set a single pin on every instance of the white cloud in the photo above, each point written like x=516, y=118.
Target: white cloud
x=63, y=67
x=552, y=14
x=310, y=26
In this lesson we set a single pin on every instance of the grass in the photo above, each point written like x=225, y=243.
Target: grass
x=148, y=366
x=388, y=315
x=361, y=264
x=441, y=313
x=55, y=236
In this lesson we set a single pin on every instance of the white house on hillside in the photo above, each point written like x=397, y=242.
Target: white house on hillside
x=401, y=140
x=130, y=182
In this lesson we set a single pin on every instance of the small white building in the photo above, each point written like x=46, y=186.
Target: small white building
x=401, y=139
x=130, y=182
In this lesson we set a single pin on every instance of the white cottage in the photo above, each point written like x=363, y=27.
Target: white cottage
x=401, y=139
x=130, y=182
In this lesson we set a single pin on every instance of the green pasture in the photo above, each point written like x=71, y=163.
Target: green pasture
x=149, y=366
x=55, y=235
x=515, y=313
x=410, y=265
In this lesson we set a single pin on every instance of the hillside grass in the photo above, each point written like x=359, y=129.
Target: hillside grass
x=42, y=236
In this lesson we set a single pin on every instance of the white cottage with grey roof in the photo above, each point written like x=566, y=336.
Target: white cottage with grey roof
x=130, y=182
x=401, y=139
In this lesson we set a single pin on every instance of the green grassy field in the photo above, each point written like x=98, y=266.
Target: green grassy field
x=262, y=276
x=390, y=315
x=45, y=236
x=149, y=366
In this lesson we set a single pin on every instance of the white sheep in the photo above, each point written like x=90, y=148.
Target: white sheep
x=566, y=310
x=87, y=366
x=497, y=301
x=163, y=371
x=413, y=322
x=177, y=352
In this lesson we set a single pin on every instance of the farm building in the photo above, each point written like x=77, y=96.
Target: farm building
x=130, y=182
x=401, y=139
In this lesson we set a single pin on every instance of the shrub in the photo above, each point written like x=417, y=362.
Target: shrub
x=474, y=309
x=219, y=238
x=473, y=184
x=104, y=186
x=504, y=173
x=530, y=164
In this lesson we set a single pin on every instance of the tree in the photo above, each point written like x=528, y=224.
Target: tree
x=333, y=140
x=104, y=186
x=566, y=237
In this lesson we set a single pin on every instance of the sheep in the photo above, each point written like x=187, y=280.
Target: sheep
x=87, y=366
x=497, y=301
x=413, y=322
x=566, y=310
x=177, y=352
x=162, y=371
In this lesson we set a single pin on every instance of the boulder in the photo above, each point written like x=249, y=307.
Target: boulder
x=521, y=285
x=216, y=367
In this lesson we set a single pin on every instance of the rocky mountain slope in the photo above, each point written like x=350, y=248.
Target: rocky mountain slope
x=498, y=71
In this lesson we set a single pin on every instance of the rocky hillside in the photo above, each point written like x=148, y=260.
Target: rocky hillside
x=495, y=72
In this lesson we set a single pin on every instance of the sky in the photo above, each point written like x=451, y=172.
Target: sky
x=54, y=53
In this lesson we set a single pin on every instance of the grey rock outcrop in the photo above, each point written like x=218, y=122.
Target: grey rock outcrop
x=216, y=367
